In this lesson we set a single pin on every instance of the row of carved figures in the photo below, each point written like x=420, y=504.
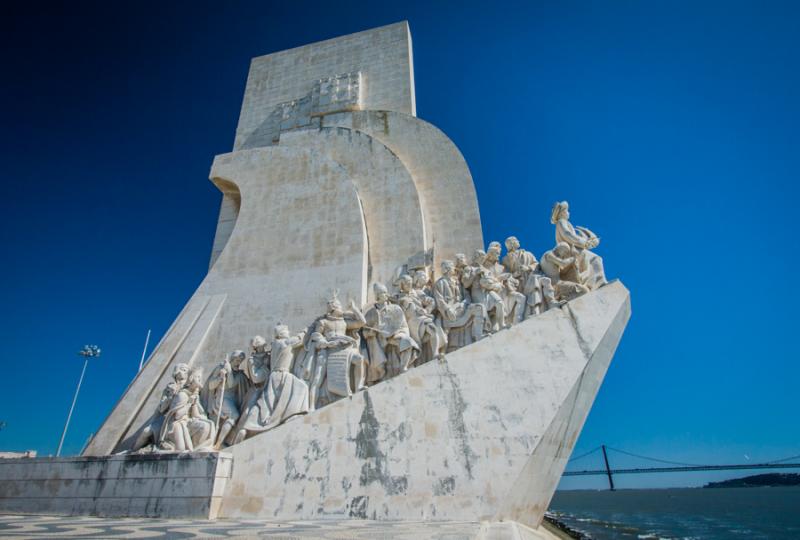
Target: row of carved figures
x=346, y=350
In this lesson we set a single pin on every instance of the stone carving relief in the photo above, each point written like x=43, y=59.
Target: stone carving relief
x=344, y=350
x=330, y=95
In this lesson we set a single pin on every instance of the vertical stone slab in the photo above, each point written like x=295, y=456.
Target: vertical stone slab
x=382, y=56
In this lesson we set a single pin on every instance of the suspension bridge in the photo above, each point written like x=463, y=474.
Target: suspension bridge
x=791, y=462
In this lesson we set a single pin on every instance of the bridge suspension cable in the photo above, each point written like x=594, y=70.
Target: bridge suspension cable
x=654, y=459
x=590, y=452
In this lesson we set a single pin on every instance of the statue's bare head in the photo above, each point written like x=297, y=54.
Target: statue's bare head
x=560, y=211
x=281, y=331
x=493, y=252
x=181, y=373
x=405, y=283
x=478, y=257
x=171, y=389
x=258, y=343
x=562, y=250
x=420, y=278
x=512, y=243
x=381, y=292
x=461, y=260
x=447, y=267
x=195, y=381
x=236, y=358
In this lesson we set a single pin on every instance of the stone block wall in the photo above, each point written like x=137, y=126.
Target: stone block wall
x=157, y=485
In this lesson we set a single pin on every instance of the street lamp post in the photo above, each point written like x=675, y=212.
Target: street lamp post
x=88, y=351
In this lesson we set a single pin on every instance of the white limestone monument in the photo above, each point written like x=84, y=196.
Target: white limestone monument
x=356, y=350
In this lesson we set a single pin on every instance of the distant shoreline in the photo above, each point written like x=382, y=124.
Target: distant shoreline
x=758, y=480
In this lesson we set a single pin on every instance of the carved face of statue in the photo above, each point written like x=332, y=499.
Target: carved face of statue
x=560, y=211
x=461, y=260
x=195, y=379
x=478, y=256
x=512, y=243
x=237, y=357
x=281, y=331
x=258, y=343
x=171, y=390
x=493, y=253
x=420, y=279
x=381, y=293
x=335, y=308
x=181, y=373
x=562, y=250
x=447, y=268
x=404, y=283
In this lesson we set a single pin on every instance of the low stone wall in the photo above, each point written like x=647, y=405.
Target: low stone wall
x=157, y=485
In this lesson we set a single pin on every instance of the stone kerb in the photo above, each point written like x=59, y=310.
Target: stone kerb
x=445, y=441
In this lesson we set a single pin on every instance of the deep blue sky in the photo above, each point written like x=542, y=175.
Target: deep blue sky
x=671, y=127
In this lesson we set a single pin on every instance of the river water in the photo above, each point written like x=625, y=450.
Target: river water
x=687, y=513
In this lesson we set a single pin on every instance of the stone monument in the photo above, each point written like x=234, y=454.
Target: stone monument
x=400, y=379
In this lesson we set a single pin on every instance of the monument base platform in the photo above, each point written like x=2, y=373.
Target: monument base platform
x=154, y=485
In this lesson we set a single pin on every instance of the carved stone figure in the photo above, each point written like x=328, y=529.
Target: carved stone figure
x=539, y=293
x=581, y=241
x=150, y=433
x=462, y=321
x=518, y=262
x=387, y=333
x=513, y=300
x=485, y=289
x=561, y=267
x=332, y=352
x=285, y=394
x=225, y=392
x=421, y=282
x=534, y=284
x=186, y=426
x=254, y=409
x=418, y=310
x=462, y=272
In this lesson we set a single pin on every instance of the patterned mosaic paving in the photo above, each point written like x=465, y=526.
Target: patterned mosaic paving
x=18, y=527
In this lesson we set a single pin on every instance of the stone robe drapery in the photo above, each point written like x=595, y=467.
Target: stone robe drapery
x=186, y=426
x=421, y=322
x=463, y=322
x=392, y=332
x=285, y=394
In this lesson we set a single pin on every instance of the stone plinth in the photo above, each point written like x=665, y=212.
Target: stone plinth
x=484, y=435
x=157, y=485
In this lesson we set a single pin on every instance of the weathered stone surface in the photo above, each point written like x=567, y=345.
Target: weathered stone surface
x=382, y=55
x=441, y=174
x=161, y=485
x=484, y=435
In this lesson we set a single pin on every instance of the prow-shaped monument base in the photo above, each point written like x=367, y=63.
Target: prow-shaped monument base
x=482, y=436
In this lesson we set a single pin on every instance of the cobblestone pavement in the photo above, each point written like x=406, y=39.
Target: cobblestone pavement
x=19, y=526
